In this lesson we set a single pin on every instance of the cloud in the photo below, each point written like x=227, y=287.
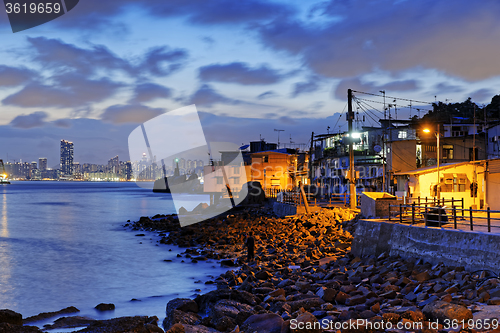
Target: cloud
x=309, y=86
x=444, y=88
x=69, y=91
x=132, y=113
x=482, y=95
x=99, y=16
x=147, y=92
x=64, y=123
x=35, y=119
x=12, y=76
x=54, y=53
x=459, y=40
x=207, y=96
x=359, y=85
x=267, y=94
x=162, y=61
x=239, y=72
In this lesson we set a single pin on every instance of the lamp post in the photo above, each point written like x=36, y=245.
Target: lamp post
x=426, y=130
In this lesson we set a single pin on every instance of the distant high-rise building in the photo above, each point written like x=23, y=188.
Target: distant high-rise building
x=66, y=158
x=114, y=165
x=42, y=163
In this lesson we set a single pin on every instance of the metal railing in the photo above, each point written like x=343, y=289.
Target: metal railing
x=292, y=196
x=440, y=216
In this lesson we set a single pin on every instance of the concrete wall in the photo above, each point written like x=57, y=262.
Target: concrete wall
x=452, y=247
x=283, y=209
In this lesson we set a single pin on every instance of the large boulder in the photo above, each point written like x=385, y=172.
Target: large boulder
x=305, y=323
x=182, y=304
x=212, y=297
x=141, y=324
x=11, y=317
x=263, y=323
x=439, y=310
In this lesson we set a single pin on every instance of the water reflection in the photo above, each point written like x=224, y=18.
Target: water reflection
x=5, y=227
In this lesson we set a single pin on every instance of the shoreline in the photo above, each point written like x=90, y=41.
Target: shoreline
x=305, y=277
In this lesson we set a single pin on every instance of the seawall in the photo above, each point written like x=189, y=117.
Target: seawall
x=473, y=250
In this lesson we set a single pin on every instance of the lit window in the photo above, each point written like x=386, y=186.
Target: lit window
x=447, y=152
x=402, y=135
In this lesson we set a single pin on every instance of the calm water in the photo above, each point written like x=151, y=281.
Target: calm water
x=62, y=244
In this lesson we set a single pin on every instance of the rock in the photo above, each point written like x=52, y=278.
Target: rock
x=327, y=294
x=263, y=275
x=183, y=211
x=306, y=303
x=439, y=310
x=11, y=328
x=177, y=328
x=212, y=297
x=11, y=317
x=341, y=297
x=229, y=308
x=494, y=301
x=263, y=323
x=305, y=323
x=105, y=307
x=178, y=316
x=182, y=304
x=424, y=276
x=46, y=315
x=69, y=322
x=355, y=300
x=141, y=324
x=185, y=328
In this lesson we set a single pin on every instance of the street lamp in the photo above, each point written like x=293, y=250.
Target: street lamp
x=426, y=130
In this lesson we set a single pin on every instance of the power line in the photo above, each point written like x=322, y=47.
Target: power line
x=402, y=99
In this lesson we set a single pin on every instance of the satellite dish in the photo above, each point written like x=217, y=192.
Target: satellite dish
x=244, y=147
x=377, y=148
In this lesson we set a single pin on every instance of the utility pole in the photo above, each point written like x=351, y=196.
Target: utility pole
x=310, y=159
x=278, y=130
x=352, y=176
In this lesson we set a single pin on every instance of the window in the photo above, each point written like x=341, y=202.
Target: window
x=402, y=135
x=447, y=152
x=236, y=170
x=265, y=159
x=236, y=180
x=219, y=180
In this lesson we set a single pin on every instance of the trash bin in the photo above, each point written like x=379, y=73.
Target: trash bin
x=432, y=218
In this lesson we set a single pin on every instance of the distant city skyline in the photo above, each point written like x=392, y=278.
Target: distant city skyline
x=96, y=73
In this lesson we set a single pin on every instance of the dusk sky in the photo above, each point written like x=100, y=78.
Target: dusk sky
x=250, y=66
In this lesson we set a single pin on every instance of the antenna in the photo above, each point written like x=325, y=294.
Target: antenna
x=278, y=130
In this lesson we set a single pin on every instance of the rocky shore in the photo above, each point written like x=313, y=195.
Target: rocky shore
x=304, y=279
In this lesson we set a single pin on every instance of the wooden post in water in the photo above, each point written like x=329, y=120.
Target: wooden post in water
x=489, y=222
x=470, y=217
x=455, y=216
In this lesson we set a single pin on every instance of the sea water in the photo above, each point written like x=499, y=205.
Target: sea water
x=63, y=244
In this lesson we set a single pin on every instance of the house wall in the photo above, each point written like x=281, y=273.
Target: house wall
x=402, y=156
x=493, y=191
x=426, y=180
x=275, y=172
